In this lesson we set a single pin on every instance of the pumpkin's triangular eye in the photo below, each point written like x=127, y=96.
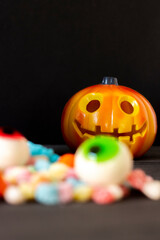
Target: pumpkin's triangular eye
x=93, y=106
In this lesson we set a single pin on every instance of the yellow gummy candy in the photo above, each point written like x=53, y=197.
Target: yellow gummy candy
x=58, y=171
x=27, y=191
x=82, y=193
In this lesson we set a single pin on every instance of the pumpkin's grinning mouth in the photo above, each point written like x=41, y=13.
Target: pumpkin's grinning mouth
x=115, y=132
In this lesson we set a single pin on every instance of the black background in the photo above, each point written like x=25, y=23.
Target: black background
x=50, y=49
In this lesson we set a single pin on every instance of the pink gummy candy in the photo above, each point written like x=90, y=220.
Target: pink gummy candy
x=71, y=173
x=102, y=196
x=138, y=178
x=24, y=177
x=65, y=192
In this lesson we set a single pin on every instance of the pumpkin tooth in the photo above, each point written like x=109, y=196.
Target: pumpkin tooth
x=115, y=132
x=98, y=130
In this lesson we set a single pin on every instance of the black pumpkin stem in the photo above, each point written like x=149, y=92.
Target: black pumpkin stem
x=110, y=81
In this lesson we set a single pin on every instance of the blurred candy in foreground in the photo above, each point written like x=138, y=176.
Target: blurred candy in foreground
x=102, y=161
x=14, y=149
x=97, y=172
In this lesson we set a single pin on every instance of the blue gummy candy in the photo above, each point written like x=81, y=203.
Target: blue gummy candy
x=54, y=158
x=47, y=193
x=74, y=182
x=37, y=149
x=41, y=164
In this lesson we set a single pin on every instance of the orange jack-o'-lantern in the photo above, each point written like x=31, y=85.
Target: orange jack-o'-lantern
x=110, y=109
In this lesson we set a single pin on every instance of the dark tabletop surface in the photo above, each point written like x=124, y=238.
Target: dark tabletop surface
x=136, y=217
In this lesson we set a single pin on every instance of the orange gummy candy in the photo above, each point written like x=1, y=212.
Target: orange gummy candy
x=67, y=159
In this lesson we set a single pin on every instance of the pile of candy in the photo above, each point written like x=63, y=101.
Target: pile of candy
x=51, y=179
x=47, y=178
x=98, y=171
x=44, y=182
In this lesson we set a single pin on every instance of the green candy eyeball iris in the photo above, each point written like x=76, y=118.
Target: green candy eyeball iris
x=100, y=149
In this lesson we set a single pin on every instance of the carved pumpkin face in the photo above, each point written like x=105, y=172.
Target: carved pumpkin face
x=109, y=109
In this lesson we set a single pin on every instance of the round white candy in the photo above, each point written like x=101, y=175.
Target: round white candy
x=13, y=195
x=13, y=152
x=103, y=161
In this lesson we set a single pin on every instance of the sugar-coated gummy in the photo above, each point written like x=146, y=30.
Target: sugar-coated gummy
x=27, y=191
x=65, y=192
x=71, y=174
x=137, y=178
x=41, y=164
x=54, y=158
x=82, y=193
x=57, y=171
x=47, y=193
x=24, y=177
x=17, y=174
x=37, y=149
x=74, y=182
x=102, y=196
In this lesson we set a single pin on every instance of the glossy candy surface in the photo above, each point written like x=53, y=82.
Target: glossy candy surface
x=110, y=109
x=102, y=161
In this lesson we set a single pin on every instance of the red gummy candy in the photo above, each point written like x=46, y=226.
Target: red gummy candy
x=2, y=185
x=102, y=196
x=137, y=178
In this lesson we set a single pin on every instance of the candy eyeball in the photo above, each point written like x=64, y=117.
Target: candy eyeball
x=103, y=160
x=14, y=149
